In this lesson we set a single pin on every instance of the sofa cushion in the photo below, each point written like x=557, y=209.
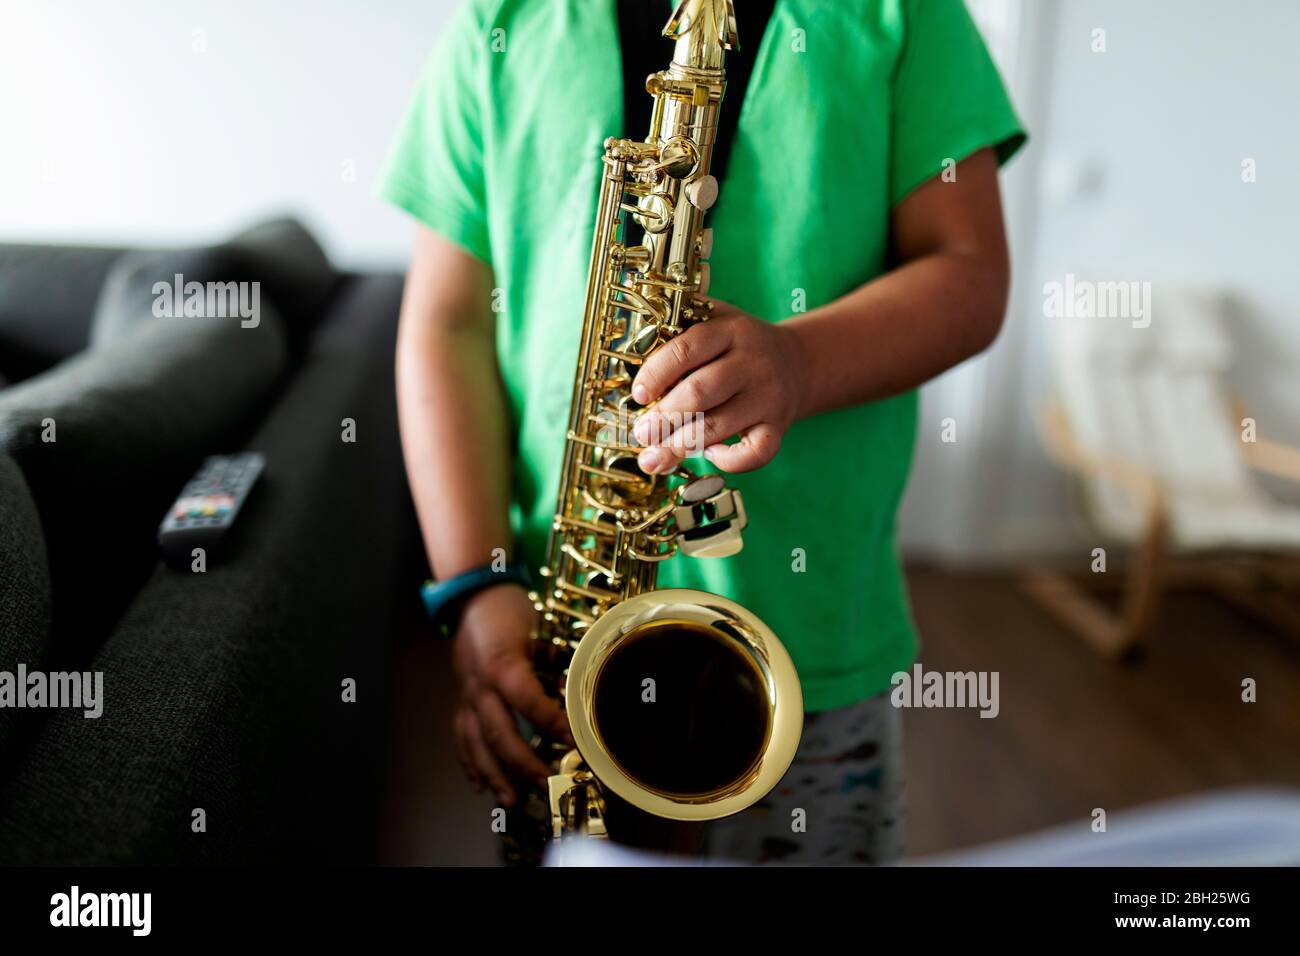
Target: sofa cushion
x=24, y=587
x=127, y=300
x=294, y=268
x=106, y=440
x=289, y=268
x=47, y=299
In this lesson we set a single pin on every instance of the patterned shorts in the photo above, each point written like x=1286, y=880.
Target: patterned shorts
x=840, y=802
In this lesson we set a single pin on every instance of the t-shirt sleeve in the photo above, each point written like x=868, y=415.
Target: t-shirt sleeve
x=435, y=170
x=948, y=100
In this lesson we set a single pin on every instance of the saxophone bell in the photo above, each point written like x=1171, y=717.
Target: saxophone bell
x=684, y=704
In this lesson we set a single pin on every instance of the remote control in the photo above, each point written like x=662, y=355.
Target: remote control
x=207, y=506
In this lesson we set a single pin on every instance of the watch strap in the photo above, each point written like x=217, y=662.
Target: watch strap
x=444, y=600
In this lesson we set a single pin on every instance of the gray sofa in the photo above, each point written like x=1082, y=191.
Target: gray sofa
x=222, y=689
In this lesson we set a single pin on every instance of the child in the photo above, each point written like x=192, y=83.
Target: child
x=859, y=252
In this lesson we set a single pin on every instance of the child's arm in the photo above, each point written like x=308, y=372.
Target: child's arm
x=455, y=438
x=941, y=305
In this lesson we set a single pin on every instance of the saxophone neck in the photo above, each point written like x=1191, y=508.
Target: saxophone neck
x=704, y=31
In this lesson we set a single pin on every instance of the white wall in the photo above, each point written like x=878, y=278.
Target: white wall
x=161, y=120
x=1134, y=172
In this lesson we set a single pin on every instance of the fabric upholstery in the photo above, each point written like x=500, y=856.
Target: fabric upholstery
x=24, y=588
x=47, y=300
x=293, y=272
x=130, y=422
x=224, y=689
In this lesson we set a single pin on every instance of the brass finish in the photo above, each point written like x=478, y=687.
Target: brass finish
x=682, y=703
x=759, y=674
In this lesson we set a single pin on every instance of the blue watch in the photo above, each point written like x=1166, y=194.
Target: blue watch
x=443, y=600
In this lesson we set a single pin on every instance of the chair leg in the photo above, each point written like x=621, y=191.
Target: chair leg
x=1146, y=577
x=1110, y=634
x=1065, y=600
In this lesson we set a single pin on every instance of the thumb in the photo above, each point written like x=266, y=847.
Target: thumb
x=757, y=446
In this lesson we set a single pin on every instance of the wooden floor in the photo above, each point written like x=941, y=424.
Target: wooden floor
x=1073, y=732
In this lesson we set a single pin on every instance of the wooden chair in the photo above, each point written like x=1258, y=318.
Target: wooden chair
x=1161, y=455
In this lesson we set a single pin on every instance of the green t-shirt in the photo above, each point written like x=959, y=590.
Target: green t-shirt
x=851, y=105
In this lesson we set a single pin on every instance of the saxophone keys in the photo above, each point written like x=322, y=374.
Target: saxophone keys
x=678, y=158
x=694, y=517
x=704, y=243
x=702, y=277
x=635, y=258
x=705, y=486
x=654, y=213
x=643, y=342
x=710, y=521
x=702, y=193
x=716, y=541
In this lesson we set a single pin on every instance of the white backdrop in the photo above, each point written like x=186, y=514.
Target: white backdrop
x=149, y=120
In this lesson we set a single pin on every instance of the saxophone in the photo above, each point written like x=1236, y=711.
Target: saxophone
x=683, y=704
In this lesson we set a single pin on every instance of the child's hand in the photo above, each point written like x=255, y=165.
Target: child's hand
x=744, y=375
x=496, y=680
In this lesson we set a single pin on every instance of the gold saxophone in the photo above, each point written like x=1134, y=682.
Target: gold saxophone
x=682, y=703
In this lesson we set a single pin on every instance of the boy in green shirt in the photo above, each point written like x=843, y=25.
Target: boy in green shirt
x=859, y=252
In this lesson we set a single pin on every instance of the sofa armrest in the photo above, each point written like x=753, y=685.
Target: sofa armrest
x=224, y=690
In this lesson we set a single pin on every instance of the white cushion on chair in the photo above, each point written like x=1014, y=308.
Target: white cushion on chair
x=1268, y=528
x=1154, y=396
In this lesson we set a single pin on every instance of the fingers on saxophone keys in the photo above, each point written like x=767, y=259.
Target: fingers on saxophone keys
x=716, y=425
x=646, y=429
x=671, y=362
x=658, y=461
x=522, y=691
x=501, y=734
x=667, y=450
x=488, y=768
x=701, y=393
x=692, y=438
